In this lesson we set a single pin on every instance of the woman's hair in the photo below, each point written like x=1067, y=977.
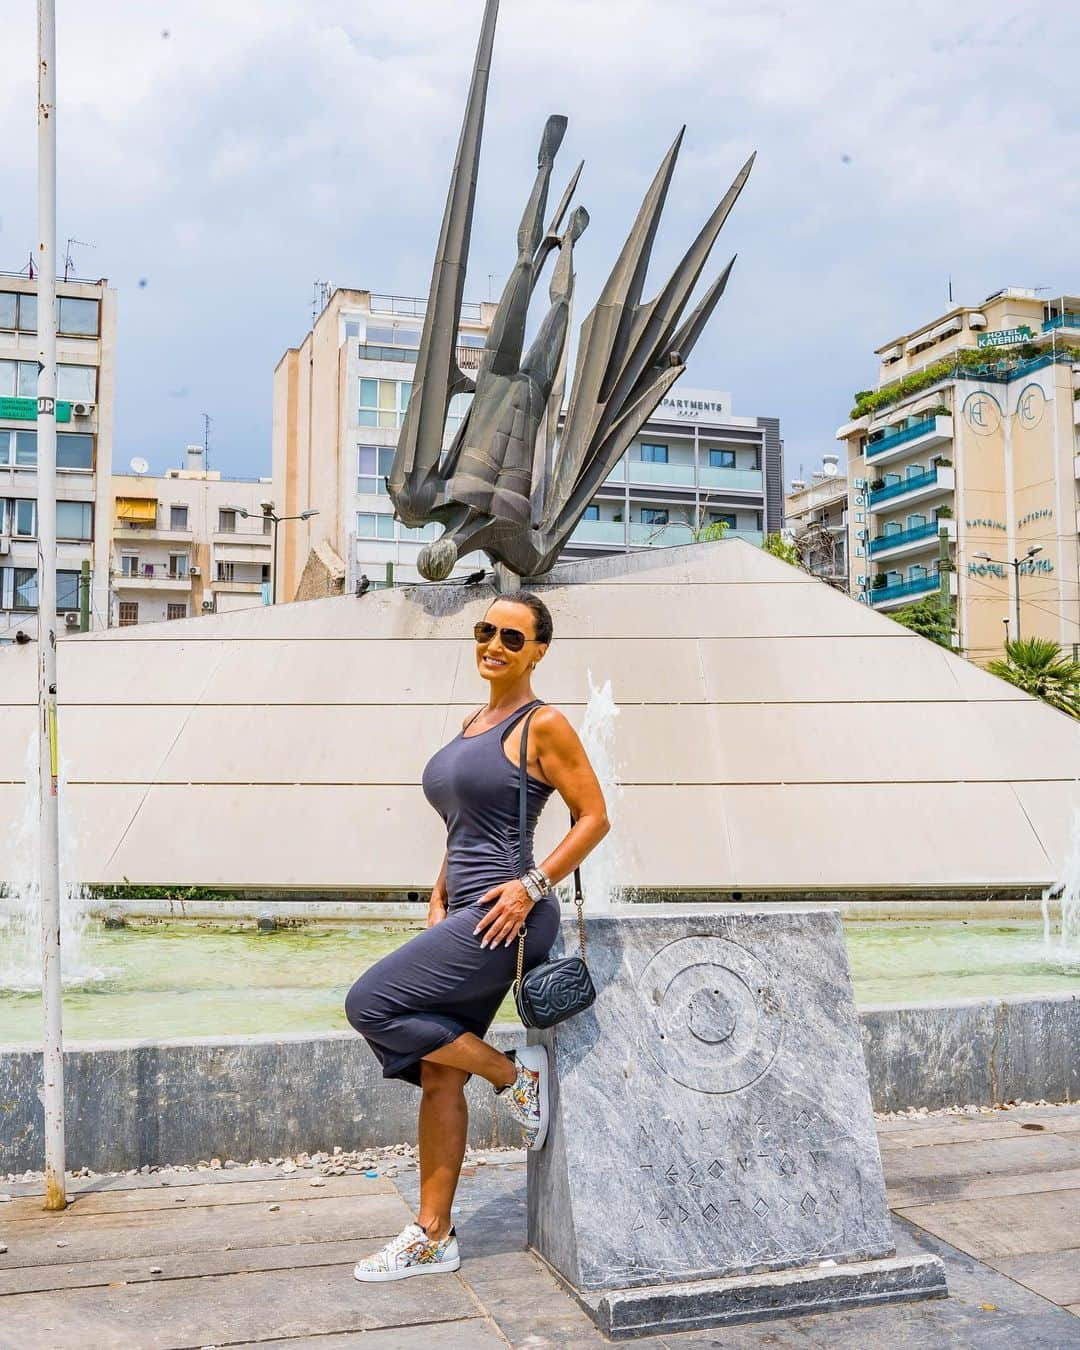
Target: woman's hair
x=540, y=612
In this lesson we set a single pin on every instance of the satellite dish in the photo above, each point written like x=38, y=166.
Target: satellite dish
x=829, y=468
x=139, y=465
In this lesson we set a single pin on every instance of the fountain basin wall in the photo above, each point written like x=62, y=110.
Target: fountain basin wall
x=135, y=1102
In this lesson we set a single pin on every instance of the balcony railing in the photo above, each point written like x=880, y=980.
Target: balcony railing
x=901, y=437
x=909, y=484
x=916, y=586
x=682, y=475
x=641, y=535
x=1065, y=320
x=413, y=307
x=909, y=536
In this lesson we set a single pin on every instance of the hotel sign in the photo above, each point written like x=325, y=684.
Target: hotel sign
x=1005, y=337
x=693, y=404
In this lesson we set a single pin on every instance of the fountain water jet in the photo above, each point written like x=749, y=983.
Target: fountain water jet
x=1067, y=892
x=20, y=906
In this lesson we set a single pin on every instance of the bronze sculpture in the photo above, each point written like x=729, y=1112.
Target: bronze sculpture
x=513, y=482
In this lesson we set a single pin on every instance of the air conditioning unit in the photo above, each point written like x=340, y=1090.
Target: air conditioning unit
x=207, y=606
x=71, y=619
x=194, y=572
x=5, y=543
x=82, y=409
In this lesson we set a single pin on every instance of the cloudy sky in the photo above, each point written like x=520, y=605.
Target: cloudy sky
x=222, y=157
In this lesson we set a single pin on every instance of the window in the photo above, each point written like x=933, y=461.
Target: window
x=74, y=520
x=25, y=518
x=394, y=337
x=26, y=449
x=73, y=450
x=591, y=513
x=653, y=454
x=420, y=533
x=226, y=521
x=178, y=566
x=383, y=402
x=18, y=379
x=374, y=525
x=722, y=518
x=28, y=313
x=178, y=518
x=78, y=318
x=721, y=459
x=9, y=306
x=67, y=590
x=915, y=521
x=25, y=588
x=373, y=462
x=455, y=414
x=175, y=611
x=129, y=564
x=76, y=383
x=129, y=613
x=225, y=571
x=471, y=340
x=652, y=515
x=265, y=572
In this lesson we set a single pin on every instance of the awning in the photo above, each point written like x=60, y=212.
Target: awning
x=952, y=325
x=976, y=320
x=141, y=509
x=917, y=343
x=246, y=553
x=893, y=353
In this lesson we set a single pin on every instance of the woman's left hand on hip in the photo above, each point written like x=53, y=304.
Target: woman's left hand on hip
x=503, y=920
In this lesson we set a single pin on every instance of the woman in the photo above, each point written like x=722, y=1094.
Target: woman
x=426, y=1007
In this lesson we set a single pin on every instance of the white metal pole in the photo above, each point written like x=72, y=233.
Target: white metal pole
x=48, y=819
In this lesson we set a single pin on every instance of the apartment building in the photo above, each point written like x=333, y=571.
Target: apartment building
x=972, y=429
x=182, y=545
x=339, y=400
x=693, y=464
x=85, y=350
x=816, y=515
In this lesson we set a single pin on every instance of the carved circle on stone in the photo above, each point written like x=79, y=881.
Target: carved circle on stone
x=711, y=1017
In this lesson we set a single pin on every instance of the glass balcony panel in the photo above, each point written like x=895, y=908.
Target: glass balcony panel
x=599, y=532
x=660, y=536
x=676, y=474
x=737, y=480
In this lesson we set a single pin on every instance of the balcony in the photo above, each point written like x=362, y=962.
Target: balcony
x=152, y=577
x=128, y=530
x=259, y=537
x=916, y=486
x=922, y=435
x=1066, y=320
x=906, y=592
x=613, y=534
x=244, y=587
x=682, y=476
x=912, y=540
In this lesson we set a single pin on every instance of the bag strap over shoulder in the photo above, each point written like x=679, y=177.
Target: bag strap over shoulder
x=523, y=821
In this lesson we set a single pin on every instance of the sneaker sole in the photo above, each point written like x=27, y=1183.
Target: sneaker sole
x=535, y=1058
x=406, y=1272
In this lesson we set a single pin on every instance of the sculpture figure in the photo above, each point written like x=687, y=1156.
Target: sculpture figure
x=513, y=482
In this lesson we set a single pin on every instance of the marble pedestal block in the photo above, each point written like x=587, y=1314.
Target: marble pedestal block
x=711, y=1155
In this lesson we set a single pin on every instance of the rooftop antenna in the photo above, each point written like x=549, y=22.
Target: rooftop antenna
x=950, y=288
x=69, y=261
x=206, y=440
x=320, y=298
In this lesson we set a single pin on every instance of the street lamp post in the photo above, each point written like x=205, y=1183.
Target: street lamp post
x=268, y=513
x=1015, y=564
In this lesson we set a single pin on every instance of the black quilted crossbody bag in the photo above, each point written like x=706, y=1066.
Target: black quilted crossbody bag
x=554, y=990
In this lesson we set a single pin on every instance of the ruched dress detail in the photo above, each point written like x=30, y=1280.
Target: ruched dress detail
x=441, y=983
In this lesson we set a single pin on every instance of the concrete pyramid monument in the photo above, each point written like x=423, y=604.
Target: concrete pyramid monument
x=773, y=736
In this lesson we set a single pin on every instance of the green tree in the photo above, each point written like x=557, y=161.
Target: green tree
x=1037, y=666
x=929, y=618
x=784, y=549
x=706, y=534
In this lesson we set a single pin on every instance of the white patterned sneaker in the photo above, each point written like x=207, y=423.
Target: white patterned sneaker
x=412, y=1252
x=527, y=1095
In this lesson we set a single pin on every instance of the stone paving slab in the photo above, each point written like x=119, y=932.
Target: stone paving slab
x=1016, y=1155
x=1046, y=1221
x=1054, y=1275
x=227, y=1310
x=474, y=1334
x=982, y=1186
x=960, y=1129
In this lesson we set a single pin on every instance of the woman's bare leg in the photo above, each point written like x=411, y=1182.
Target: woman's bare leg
x=473, y=1055
x=444, y=1119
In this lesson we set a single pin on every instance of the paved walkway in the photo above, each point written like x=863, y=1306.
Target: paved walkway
x=175, y=1260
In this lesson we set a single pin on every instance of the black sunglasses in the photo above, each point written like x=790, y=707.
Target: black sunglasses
x=513, y=639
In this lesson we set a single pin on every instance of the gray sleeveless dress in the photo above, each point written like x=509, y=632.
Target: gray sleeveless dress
x=441, y=984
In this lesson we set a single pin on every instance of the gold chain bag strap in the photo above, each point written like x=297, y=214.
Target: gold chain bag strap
x=553, y=990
